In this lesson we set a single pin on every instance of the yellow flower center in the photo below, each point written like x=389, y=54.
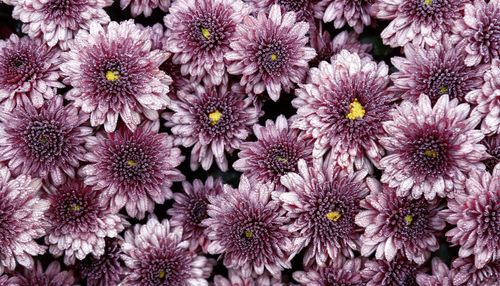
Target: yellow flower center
x=430, y=153
x=131, y=163
x=282, y=159
x=112, y=75
x=443, y=90
x=408, y=219
x=162, y=274
x=205, y=33
x=274, y=57
x=333, y=216
x=248, y=234
x=356, y=110
x=428, y=2
x=43, y=139
x=74, y=207
x=214, y=117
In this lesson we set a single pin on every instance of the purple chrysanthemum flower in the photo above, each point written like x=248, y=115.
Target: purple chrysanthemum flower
x=480, y=29
x=270, y=52
x=212, y=119
x=431, y=149
x=304, y=9
x=199, y=33
x=441, y=275
x=422, y=22
x=58, y=21
x=343, y=107
x=464, y=273
x=342, y=272
x=236, y=280
x=138, y=7
x=398, y=272
x=79, y=222
x=476, y=216
x=356, y=13
x=28, y=67
x=22, y=220
x=492, y=144
x=52, y=276
x=249, y=229
x=395, y=225
x=106, y=269
x=155, y=254
x=275, y=153
x=435, y=71
x=487, y=99
x=46, y=142
x=134, y=170
x=322, y=205
x=114, y=73
x=190, y=209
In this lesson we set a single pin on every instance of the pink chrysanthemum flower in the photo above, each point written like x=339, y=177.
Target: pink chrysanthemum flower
x=398, y=272
x=249, y=229
x=492, y=144
x=28, y=67
x=395, y=225
x=214, y=120
x=275, y=153
x=441, y=275
x=22, y=220
x=435, y=71
x=322, y=204
x=52, y=276
x=155, y=254
x=190, y=209
x=270, y=52
x=58, y=21
x=114, y=73
x=354, y=13
x=304, y=9
x=487, y=99
x=138, y=7
x=431, y=149
x=480, y=29
x=106, y=269
x=476, y=216
x=236, y=280
x=342, y=272
x=199, y=33
x=421, y=22
x=134, y=170
x=343, y=107
x=79, y=222
x=464, y=273
x=46, y=142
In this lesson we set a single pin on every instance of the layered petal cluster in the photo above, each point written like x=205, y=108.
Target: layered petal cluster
x=234, y=279
x=441, y=275
x=354, y=13
x=465, y=273
x=390, y=273
x=52, y=276
x=492, y=144
x=304, y=9
x=106, y=269
x=342, y=272
x=146, y=7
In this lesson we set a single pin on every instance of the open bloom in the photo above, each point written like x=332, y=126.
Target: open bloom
x=138, y=7
x=134, y=170
x=431, y=149
x=341, y=272
x=106, y=269
x=390, y=273
x=52, y=276
x=213, y=121
x=354, y=13
x=342, y=107
x=270, y=52
x=441, y=275
x=248, y=229
x=464, y=272
x=114, y=73
x=199, y=33
x=29, y=67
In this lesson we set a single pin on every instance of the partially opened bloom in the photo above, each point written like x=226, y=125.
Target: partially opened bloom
x=146, y=7
x=114, y=73
x=190, y=209
x=247, y=229
x=421, y=22
x=79, y=222
x=52, y=276
x=464, y=273
x=480, y=29
x=27, y=67
x=44, y=142
x=212, y=120
x=492, y=144
x=106, y=269
x=199, y=33
x=354, y=13
x=134, y=170
x=22, y=220
x=155, y=254
x=275, y=153
x=322, y=204
x=270, y=52
x=342, y=107
x=234, y=279
x=341, y=272
x=58, y=21
x=441, y=275
x=397, y=272
x=431, y=148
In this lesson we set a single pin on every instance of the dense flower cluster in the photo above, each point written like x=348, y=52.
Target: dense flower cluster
x=250, y=142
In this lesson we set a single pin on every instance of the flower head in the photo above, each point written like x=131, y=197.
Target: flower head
x=342, y=107
x=134, y=170
x=342, y=272
x=492, y=144
x=138, y=7
x=431, y=149
x=398, y=272
x=106, y=269
x=212, y=119
x=464, y=272
x=236, y=280
x=27, y=67
x=45, y=142
x=304, y=9
x=441, y=275
x=52, y=276
x=114, y=73
x=354, y=13
x=270, y=52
